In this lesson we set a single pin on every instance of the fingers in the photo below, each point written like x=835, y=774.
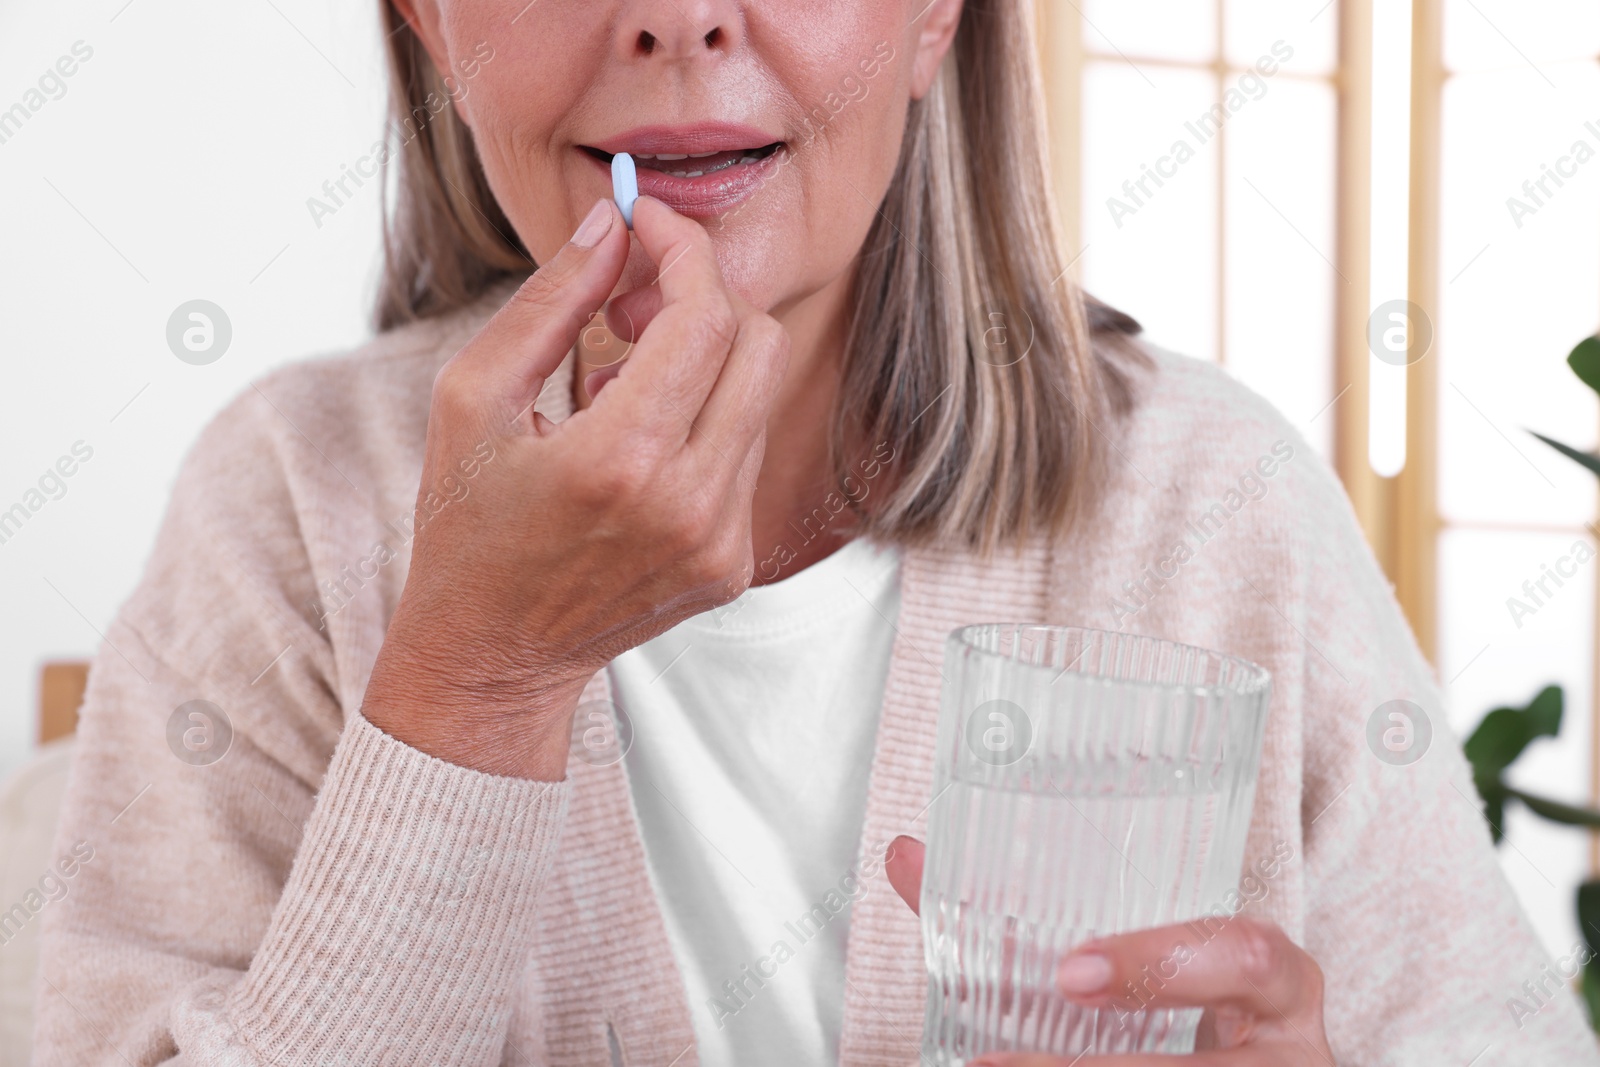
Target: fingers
x=903, y=865
x=596, y=380
x=628, y=315
x=1242, y=1057
x=705, y=366
x=676, y=362
x=741, y=399
x=1238, y=964
x=506, y=364
x=686, y=262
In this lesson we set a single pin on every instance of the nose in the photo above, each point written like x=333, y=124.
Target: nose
x=682, y=30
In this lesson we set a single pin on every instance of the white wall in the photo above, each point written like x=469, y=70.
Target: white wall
x=175, y=165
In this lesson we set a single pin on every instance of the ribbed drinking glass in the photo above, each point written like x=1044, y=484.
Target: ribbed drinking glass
x=1087, y=783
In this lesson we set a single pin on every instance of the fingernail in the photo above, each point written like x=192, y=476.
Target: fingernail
x=595, y=226
x=1084, y=974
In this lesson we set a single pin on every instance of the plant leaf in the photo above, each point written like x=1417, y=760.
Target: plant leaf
x=1591, y=992
x=1503, y=734
x=1585, y=362
x=1588, y=459
x=1589, y=913
x=1555, y=811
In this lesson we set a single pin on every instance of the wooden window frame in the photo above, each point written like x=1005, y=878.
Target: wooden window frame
x=1400, y=516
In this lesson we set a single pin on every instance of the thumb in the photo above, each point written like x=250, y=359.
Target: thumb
x=629, y=313
x=526, y=340
x=903, y=865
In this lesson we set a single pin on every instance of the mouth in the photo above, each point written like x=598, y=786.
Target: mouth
x=691, y=164
x=701, y=171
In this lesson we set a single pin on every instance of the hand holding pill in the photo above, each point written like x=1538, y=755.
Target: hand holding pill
x=562, y=537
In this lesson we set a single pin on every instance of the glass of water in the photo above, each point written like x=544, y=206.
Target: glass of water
x=1087, y=783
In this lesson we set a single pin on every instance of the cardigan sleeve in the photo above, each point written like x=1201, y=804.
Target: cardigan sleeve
x=1424, y=947
x=270, y=879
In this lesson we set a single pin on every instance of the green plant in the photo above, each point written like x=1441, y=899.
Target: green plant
x=1493, y=746
x=1585, y=363
x=1504, y=733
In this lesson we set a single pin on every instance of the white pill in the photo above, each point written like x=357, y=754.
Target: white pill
x=624, y=185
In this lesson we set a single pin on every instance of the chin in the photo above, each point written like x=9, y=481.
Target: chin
x=750, y=268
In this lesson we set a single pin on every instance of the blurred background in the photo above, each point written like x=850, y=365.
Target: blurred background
x=1257, y=181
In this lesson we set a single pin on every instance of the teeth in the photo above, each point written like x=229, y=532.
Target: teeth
x=752, y=156
x=711, y=170
x=673, y=157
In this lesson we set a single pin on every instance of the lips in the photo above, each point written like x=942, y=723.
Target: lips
x=701, y=170
x=696, y=164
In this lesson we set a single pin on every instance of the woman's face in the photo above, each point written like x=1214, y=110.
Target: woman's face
x=776, y=123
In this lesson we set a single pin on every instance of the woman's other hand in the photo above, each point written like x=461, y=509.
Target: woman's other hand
x=1262, y=993
x=543, y=549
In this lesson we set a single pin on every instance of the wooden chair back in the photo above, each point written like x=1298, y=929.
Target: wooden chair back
x=61, y=686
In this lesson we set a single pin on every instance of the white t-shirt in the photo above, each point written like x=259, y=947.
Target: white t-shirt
x=753, y=732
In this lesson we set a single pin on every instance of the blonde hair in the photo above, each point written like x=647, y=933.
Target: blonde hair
x=993, y=443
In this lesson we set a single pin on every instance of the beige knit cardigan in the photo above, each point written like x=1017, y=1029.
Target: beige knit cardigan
x=325, y=895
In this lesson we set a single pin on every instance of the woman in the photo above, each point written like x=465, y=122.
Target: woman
x=374, y=845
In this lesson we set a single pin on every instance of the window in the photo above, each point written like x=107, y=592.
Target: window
x=1519, y=87
x=1212, y=162
x=1208, y=176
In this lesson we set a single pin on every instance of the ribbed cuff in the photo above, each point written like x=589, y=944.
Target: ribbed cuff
x=409, y=914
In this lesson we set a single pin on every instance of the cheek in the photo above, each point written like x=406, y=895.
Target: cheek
x=843, y=73
x=538, y=68
x=535, y=86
